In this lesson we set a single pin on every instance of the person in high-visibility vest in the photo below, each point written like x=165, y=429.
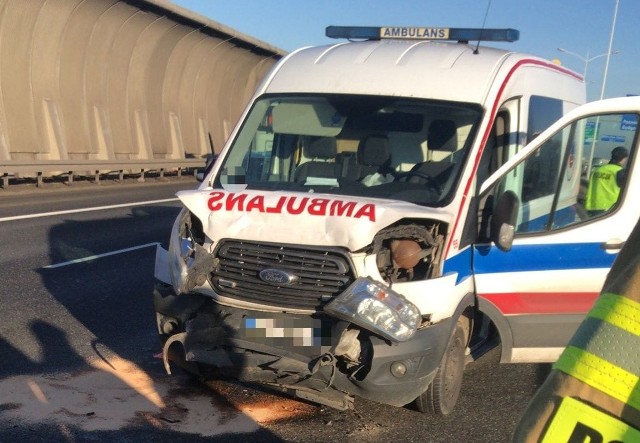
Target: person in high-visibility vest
x=605, y=183
x=593, y=391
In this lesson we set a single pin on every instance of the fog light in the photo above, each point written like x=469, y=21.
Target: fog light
x=168, y=326
x=398, y=369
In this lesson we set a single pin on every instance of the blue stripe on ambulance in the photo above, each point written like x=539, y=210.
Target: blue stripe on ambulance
x=541, y=257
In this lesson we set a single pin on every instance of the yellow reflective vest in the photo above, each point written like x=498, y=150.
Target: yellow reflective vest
x=593, y=391
x=603, y=189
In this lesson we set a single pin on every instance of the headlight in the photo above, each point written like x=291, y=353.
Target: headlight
x=377, y=308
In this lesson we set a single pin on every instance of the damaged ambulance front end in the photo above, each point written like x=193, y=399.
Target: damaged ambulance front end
x=310, y=258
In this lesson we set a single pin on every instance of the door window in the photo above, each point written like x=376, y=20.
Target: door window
x=577, y=174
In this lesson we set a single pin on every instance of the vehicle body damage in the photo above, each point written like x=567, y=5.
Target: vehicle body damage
x=279, y=274
x=267, y=313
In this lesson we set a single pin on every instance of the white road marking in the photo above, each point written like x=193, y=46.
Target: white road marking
x=95, y=208
x=94, y=257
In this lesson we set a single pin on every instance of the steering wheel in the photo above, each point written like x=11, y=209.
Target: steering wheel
x=404, y=176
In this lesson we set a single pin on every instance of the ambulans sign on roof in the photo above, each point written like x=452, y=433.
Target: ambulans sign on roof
x=415, y=33
x=422, y=33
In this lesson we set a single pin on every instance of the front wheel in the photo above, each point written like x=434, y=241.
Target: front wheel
x=443, y=392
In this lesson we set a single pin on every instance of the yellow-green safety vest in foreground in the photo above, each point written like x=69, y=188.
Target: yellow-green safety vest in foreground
x=603, y=190
x=592, y=394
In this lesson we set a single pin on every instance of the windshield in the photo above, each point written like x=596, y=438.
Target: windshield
x=366, y=146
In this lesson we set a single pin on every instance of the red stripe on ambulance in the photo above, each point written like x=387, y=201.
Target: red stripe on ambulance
x=542, y=302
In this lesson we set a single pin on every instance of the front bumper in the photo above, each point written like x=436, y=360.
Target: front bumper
x=278, y=349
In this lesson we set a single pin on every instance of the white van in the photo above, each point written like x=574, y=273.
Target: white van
x=373, y=224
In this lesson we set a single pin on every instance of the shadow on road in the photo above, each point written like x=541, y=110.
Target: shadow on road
x=95, y=376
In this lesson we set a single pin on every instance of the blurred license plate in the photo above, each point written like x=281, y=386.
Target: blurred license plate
x=303, y=332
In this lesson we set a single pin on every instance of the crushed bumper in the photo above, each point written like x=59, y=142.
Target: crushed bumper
x=296, y=353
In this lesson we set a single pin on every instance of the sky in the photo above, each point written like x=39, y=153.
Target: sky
x=582, y=27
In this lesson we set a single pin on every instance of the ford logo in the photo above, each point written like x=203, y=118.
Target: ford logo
x=277, y=276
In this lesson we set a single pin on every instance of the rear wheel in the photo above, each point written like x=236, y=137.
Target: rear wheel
x=442, y=394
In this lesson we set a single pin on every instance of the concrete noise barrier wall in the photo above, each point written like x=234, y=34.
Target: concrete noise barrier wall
x=120, y=80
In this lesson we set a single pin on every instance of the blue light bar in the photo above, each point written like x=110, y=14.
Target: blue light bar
x=421, y=33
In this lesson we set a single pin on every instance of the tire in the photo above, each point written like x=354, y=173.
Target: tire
x=443, y=392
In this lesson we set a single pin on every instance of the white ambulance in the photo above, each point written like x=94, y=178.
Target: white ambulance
x=374, y=223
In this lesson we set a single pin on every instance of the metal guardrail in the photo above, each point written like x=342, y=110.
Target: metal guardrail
x=71, y=168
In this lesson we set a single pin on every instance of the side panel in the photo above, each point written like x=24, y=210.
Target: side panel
x=542, y=291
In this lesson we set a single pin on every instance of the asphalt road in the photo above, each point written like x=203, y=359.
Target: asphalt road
x=78, y=349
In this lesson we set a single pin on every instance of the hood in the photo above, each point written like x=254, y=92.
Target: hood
x=298, y=218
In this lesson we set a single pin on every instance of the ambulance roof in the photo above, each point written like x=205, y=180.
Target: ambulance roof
x=395, y=67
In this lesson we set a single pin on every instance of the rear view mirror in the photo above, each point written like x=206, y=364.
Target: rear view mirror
x=503, y=221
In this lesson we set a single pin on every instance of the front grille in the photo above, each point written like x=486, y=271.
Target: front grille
x=321, y=273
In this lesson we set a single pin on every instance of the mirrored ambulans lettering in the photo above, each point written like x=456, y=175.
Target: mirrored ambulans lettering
x=294, y=205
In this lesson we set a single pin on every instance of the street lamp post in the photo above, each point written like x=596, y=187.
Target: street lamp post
x=606, y=66
x=586, y=59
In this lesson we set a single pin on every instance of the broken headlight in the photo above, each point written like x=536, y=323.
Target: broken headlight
x=376, y=308
x=189, y=261
x=408, y=252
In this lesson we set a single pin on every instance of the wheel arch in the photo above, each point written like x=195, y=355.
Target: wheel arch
x=465, y=312
x=501, y=325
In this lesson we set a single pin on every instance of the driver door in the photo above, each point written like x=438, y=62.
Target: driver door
x=538, y=292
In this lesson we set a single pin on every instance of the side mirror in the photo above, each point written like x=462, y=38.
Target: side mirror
x=503, y=221
x=210, y=160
